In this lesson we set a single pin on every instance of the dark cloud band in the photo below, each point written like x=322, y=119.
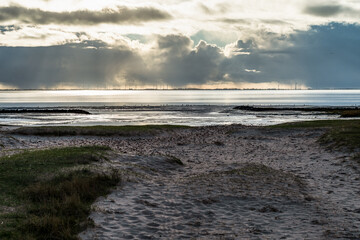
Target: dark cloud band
x=326, y=56
x=121, y=15
x=329, y=10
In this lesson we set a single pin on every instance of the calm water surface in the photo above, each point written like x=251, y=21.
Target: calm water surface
x=188, y=107
x=191, y=97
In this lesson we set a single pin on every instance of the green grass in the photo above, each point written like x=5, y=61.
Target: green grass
x=348, y=113
x=45, y=195
x=343, y=134
x=317, y=124
x=96, y=130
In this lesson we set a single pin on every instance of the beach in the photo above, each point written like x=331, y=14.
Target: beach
x=218, y=182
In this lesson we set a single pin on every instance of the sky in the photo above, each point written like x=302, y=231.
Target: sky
x=74, y=44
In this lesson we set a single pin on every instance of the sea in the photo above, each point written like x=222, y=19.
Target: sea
x=178, y=107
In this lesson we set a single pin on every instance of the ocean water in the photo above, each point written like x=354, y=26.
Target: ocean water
x=187, y=107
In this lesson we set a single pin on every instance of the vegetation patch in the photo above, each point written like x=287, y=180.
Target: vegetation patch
x=343, y=136
x=344, y=112
x=175, y=160
x=47, y=194
x=340, y=134
x=125, y=131
x=348, y=113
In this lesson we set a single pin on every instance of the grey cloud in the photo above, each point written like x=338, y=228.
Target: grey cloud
x=192, y=66
x=174, y=45
x=35, y=67
x=275, y=22
x=121, y=15
x=245, y=46
x=323, y=11
x=218, y=8
x=233, y=20
x=323, y=57
x=329, y=10
x=243, y=21
x=206, y=9
x=8, y=28
x=93, y=64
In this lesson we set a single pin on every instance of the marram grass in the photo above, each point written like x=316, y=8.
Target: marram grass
x=47, y=194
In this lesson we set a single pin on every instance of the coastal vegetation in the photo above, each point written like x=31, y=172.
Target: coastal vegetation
x=344, y=112
x=47, y=194
x=340, y=134
x=125, y=131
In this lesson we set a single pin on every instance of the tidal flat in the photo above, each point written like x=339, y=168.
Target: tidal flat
x=290, y=181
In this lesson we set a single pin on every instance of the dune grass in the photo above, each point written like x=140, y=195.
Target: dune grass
x=348, y=113
x=47, y=194
x=96, y=130
x=340, y=134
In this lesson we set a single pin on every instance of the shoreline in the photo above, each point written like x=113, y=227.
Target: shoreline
x=235, y=182
x=192, y=115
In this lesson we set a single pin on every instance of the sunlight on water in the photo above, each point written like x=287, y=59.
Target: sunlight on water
x=195, y=108
x=191, y=97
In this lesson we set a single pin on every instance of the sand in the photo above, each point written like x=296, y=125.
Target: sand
x=237, y=182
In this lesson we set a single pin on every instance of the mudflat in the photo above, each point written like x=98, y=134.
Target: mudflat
x=219, y=182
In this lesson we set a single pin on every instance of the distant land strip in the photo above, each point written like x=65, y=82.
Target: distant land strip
x=31, y=110
x=342, y=111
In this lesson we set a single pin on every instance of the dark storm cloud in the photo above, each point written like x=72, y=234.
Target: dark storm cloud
x=74, y=65
x=174, y=45
x=323, y=57
x=329, y=10
x=121, y=15
x=183, y=65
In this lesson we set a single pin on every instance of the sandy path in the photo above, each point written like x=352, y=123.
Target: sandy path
x=304, y=192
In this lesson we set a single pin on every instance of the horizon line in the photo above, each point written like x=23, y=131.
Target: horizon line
x=164, y=89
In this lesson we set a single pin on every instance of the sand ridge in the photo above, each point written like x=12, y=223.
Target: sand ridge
x=236, y=182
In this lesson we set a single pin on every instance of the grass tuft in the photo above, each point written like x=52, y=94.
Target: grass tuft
x=60, y=207
x=49, y=195
x=340, y=134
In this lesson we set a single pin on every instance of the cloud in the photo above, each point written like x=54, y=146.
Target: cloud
x=323, y=10
x=206, y=9
x=174, y=45
x=8, y=28
x=75, y=65
x=221, y=39
x=329, y=10
x=120, y=15
x=183, y=65
x=323, y=57
x=326, y=56
x=217, y=8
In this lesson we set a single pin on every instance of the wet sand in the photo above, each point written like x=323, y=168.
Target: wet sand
x=236, y=183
